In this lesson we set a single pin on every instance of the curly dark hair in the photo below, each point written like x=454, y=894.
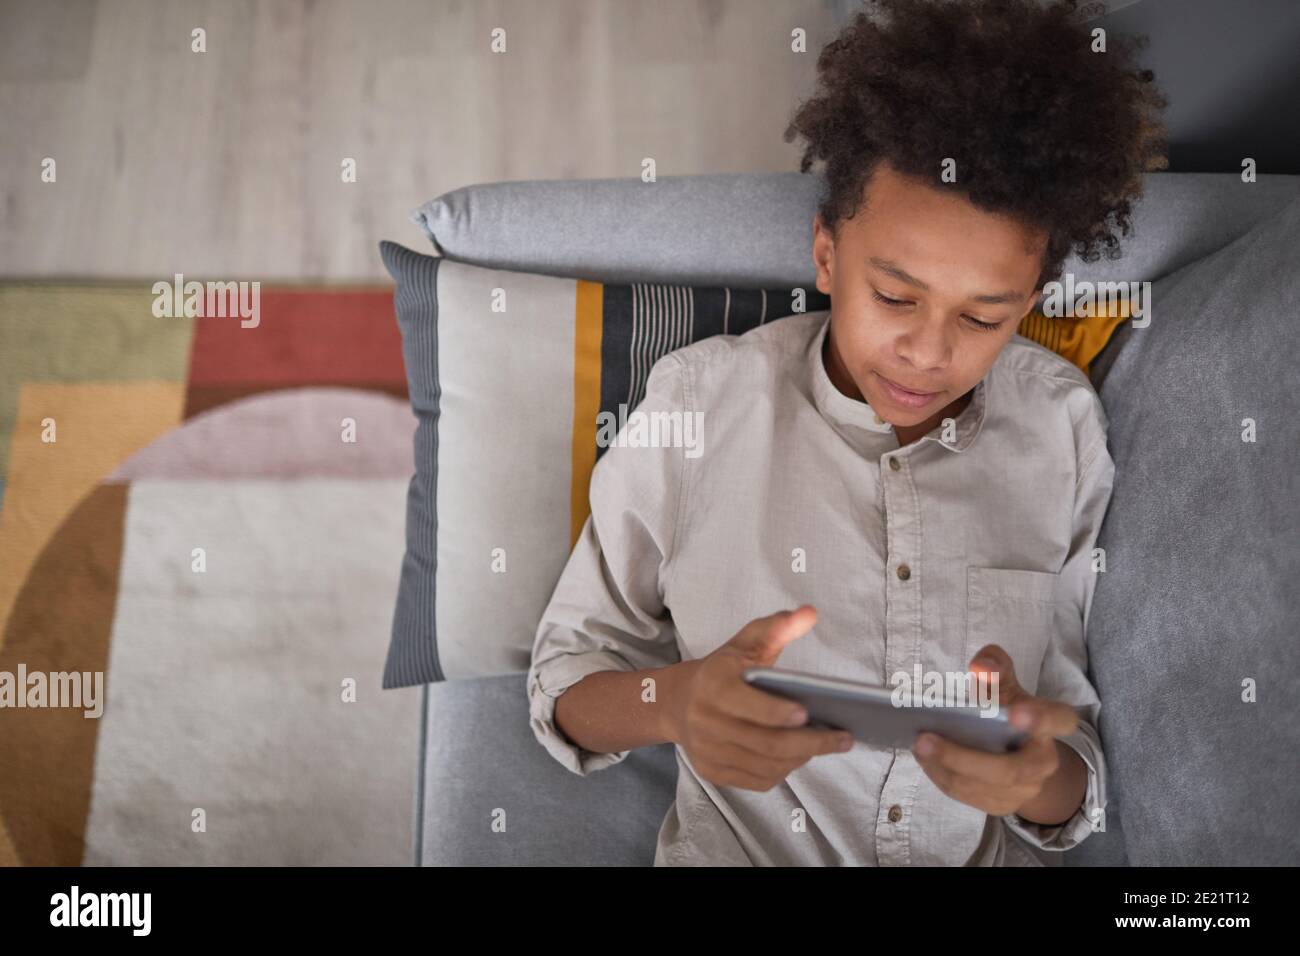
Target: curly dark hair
x=1042, y=129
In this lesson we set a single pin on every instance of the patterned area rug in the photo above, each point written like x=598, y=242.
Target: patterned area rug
x=210, y=516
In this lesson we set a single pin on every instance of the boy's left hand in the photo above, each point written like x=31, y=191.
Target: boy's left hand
x=1000, y=784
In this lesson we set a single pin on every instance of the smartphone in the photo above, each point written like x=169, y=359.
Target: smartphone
x=872, y=716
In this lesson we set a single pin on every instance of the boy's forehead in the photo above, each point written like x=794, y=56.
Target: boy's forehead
x=936, y=235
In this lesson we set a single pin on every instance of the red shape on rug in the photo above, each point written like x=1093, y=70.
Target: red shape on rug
x=303, y=337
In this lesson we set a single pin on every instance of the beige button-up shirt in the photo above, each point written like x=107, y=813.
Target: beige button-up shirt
x=790, y=493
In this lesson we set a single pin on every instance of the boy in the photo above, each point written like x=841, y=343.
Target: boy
x=903, y=471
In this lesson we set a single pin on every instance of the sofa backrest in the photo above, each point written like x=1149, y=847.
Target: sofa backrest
x=754, y=230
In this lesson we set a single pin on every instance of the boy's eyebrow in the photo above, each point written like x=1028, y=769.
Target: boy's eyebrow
x=895, y=270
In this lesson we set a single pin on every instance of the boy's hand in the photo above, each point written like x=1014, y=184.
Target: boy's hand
x=1001, y=784
x=735, y=734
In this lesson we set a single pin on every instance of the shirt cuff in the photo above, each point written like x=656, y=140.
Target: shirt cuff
x=1064, y=836
x=545, y=686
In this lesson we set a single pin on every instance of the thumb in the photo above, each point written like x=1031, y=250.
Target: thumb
x=764, y=638
x=992, y=659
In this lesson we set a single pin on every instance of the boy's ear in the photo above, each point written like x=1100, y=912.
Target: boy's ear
x=1029, y=307
x=823, y=245
x=1032, y=301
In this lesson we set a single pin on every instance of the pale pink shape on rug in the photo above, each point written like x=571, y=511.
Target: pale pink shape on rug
x=294, y=433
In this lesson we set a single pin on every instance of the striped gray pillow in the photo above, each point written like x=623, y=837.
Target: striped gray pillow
x=508, y=374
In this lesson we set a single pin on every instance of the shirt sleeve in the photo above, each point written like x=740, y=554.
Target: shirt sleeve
x=608, y=610
x=1065, y=665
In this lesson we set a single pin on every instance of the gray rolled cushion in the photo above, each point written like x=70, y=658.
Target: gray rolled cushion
x=745, y=230
x=483, y=764
x=1202, y=584
x=755, y=229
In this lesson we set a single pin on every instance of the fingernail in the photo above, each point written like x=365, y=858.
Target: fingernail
x=846, y=742
x=1021, y=719
x=797, y=718
x=924, y=745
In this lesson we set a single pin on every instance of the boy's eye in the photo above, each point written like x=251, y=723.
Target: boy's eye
x=886, y=299
x=897, y=303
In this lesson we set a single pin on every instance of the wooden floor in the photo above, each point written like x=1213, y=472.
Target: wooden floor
x=228, y=163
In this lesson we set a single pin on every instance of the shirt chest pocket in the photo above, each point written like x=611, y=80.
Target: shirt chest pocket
x=1015, y=610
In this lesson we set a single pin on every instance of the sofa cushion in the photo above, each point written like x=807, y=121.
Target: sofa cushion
x=516, y=806
x=1192, y=637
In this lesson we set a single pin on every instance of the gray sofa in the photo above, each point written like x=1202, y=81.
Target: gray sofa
x=1178, y=736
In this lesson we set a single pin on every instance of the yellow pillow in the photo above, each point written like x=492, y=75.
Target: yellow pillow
x=1079, y=338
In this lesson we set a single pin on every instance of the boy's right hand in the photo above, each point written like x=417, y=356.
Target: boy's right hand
x=735, y=734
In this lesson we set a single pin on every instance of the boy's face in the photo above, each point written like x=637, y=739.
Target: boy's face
x=946, y=263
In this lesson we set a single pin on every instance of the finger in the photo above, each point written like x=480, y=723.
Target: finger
x=940, y=776
x=770, y=635
x=992, y=659
x=785, y=628
x=728, y=775
x=1029, y=764
x=1043, y=718
x=995, y=801
x=727, y=753
x=977, y=764
x=740, y=700
x=997, y=798
x=800, y=743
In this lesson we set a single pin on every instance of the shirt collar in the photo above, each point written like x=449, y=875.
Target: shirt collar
x=838, y=408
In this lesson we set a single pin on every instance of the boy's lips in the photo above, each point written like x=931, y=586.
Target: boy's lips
x=906, y=396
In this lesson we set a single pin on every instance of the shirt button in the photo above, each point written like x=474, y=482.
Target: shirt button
x=893, y=463
x=904, y=572
x=879, y=420
x=895, y=813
